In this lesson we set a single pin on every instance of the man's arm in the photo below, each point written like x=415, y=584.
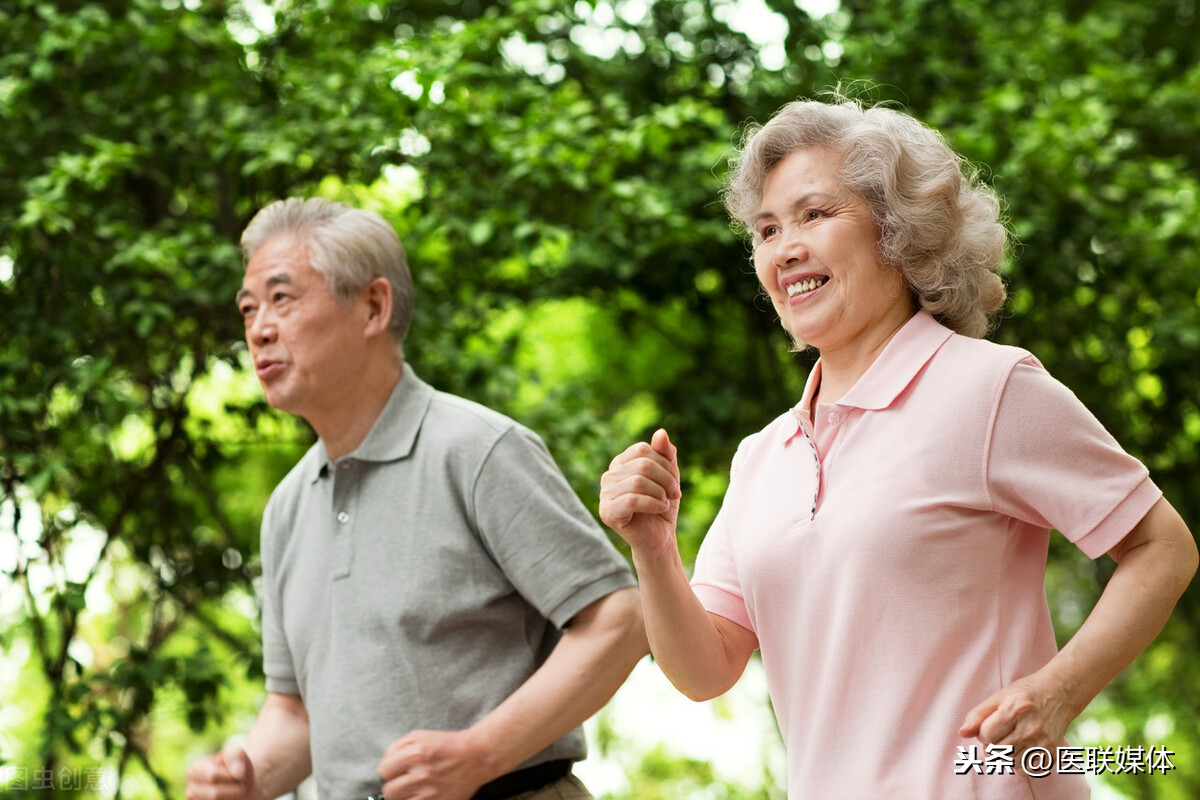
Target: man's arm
x=275, y=761
x=598, y=650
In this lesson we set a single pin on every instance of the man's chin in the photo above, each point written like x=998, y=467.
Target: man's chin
x=277, y=399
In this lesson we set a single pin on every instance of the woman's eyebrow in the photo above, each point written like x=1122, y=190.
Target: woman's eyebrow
x=798, y=203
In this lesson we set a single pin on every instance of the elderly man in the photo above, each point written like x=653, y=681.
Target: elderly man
x=440, y=612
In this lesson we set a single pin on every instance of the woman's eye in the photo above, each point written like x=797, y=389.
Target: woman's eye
x=770, y=231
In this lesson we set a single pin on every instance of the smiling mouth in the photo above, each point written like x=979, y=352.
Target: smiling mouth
x=805, y=286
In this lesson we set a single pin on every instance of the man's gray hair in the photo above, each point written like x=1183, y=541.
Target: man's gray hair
x=350, y=247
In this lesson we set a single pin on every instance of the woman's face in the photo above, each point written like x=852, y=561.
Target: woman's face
x=818, y=258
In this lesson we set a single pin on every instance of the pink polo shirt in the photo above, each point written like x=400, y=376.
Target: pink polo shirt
x=890, y=558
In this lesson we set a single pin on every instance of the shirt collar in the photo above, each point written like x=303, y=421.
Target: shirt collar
x=395, y=430
x=891, y=373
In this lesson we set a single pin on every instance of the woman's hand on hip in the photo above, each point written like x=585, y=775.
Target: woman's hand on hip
x=1031, y=712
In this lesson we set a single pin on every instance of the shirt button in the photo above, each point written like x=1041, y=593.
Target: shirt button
x=834, y=418
x=343, y=517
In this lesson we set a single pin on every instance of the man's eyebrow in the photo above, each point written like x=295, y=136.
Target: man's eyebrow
x=274, y=280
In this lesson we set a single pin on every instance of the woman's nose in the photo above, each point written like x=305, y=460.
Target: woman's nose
x=791, y=247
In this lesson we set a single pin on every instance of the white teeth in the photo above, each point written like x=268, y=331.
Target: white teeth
x=806, y=285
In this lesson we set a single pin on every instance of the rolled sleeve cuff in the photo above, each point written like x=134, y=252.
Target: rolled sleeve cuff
x=282, y=685
x=723, y=604
x=1120, y=521
x=587, y=594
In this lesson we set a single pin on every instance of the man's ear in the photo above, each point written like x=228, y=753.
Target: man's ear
x=377, y=296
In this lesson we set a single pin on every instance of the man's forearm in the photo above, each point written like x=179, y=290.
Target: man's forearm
x=278, y=746
x=596, y=654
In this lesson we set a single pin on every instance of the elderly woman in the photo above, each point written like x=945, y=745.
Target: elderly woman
x=883, y=543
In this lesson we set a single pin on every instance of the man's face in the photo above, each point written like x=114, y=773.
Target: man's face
x=304, y=342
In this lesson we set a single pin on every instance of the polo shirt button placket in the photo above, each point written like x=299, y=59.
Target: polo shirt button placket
x=342, y=503
x=817, y=470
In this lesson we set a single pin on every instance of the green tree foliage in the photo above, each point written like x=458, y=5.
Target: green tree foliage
x=554, y=170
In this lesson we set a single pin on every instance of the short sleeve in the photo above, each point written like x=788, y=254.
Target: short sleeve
x=278, y=666
x=539, y=533
x=715, y=579
x=1052, y=464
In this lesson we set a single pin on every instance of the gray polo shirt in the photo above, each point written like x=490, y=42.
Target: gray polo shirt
x=417, y=582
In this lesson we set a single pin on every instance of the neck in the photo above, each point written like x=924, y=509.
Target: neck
x=344, y=423
x=842, y=367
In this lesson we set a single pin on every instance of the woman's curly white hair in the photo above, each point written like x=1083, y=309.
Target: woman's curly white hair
x=939, y=224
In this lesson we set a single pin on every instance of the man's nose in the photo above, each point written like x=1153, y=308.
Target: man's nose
x=263, y=329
